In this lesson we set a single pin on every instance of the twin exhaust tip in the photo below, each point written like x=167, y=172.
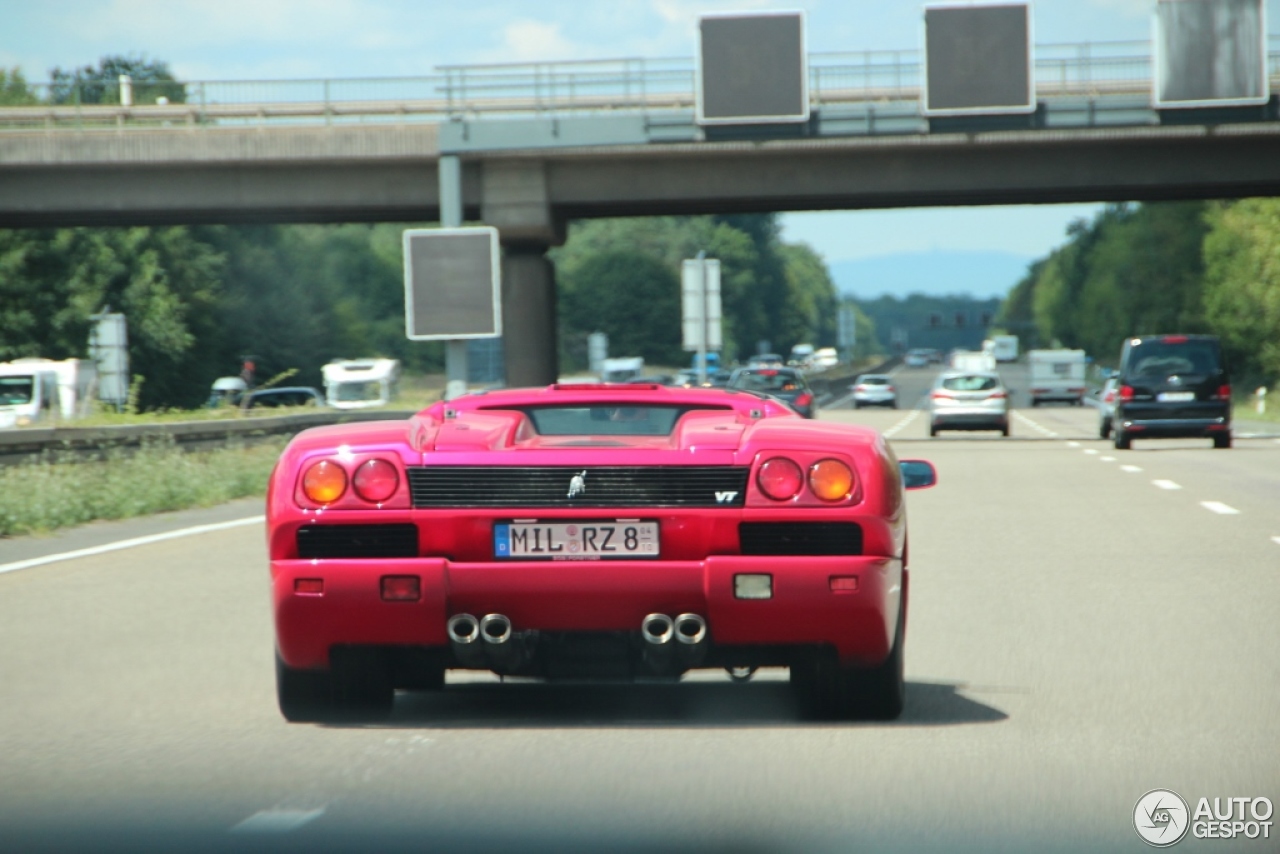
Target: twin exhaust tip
x=656, y=629
x=659, y=629
x=464, y=629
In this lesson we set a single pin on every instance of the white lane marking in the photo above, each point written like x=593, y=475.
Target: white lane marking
x=1166, y=484
x=1107, y=459
x=1219, y=508
x=1276, y=540
x=129, y=544
x=277, y=820
x=1035, y=425
x=1091, y=452
x=902, y=423
x=1073, y=444
x=1131, y=469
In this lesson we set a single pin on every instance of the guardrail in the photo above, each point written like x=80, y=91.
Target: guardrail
x=547, y=88
x=28, y=444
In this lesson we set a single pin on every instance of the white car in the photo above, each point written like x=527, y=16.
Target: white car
x=968, y=400
x=874, y=390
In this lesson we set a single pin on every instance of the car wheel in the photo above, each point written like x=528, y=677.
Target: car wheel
x=1223, y=441
x=1122, y=440
x=1035, y=402
x=933, y=432
x=1104, y=429
x=829, y=691
x=303, y=695
x=1004, y=431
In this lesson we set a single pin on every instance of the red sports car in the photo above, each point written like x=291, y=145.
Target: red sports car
x=590, y=532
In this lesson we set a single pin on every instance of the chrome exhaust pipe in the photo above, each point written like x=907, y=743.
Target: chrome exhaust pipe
x=464, y=634
x=690, y=629
x=495, y=629
x=657, y=629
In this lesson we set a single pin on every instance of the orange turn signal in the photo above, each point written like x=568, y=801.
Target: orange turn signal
x=324, y=482
x=831, y=480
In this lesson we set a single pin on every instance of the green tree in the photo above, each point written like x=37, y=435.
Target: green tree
x=631, y=297
x=1242, y=283
x=151, y=80
x=14, y=91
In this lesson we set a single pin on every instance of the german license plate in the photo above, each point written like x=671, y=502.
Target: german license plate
x=597, y=539
x=1175, y=396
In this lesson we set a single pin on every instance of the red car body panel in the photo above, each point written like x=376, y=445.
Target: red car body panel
x=700, y=549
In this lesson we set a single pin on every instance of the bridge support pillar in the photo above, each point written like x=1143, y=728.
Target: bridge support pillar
x=516, y=202
x=529, y=316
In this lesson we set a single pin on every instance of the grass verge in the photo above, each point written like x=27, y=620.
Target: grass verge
x=52, y=493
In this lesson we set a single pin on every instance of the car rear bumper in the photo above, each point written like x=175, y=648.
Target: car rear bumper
x=589, y=597
x=969, y=418
x=1172, y=428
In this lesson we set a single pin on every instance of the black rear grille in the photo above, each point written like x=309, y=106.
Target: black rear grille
x=602, y=486
x=357, y=541
x=800, y=538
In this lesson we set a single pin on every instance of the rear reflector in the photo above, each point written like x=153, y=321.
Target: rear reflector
x=1174, y=339
x=753, y=586
x=401, y=588
x=844, y=584
x=308, y=586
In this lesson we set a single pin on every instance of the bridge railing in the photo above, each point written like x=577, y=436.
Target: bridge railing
x=545, y=88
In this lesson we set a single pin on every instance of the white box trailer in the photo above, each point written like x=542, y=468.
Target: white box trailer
x=1056, y=375
x=973, y=361
x=32, y=390
x=360, y=383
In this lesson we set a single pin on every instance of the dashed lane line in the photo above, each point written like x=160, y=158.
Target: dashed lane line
x=1276, y=540
x=1035, y=425
x=1107, y=459
x=902, y=423
x=277, y=820
x=1219, y=508
x=1131, y=469
x=1093, y=452
x=1166, y=484
x=129, y=544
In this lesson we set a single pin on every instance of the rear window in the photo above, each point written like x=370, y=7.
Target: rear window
x=1160, y=357
x=608, y=419
x=970, y=383
x=769, y=380
x=873, y=381
x=14, y=390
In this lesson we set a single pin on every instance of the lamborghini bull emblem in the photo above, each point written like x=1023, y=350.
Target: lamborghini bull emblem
x=578, y=484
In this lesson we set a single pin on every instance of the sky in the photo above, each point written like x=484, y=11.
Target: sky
x=293, y=39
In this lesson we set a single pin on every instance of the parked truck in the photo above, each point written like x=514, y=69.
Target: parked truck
x=622, y=369
x=1004, y=347
x=1056, y=375
x=32, y=390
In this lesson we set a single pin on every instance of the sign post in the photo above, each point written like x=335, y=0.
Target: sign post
x=700, y=291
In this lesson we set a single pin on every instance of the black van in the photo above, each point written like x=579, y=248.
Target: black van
x=1172, y=386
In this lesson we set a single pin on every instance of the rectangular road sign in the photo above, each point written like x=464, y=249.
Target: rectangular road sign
x=978, y=59
x=452, y=283
x=696, y=306
x=1210, y=53
x=752, y=68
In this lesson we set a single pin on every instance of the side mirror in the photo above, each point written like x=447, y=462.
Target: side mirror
x=918, y=474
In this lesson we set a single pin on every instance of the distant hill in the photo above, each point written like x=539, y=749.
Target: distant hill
x=981, y=275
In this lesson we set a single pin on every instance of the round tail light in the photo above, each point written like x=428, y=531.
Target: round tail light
x=831, y=480
x=376, y=481
x=324, y=482
x=780, y=479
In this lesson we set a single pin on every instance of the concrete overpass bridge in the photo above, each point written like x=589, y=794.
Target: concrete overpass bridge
x=535, y=146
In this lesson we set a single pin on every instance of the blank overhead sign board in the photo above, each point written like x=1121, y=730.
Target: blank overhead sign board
x=452, y=283
x=1210, y=53
x=978, y=59
x=752, y=68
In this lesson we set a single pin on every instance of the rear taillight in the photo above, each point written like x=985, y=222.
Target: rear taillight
x=940, y=395
x=324, y=482
x=831, y=480
x=804, y=399
x=888, y=388
x=1224, y=393
x=780, y=479
x=1126, y=393
x=376, y=481
x=1174, y=339
x=997, y=395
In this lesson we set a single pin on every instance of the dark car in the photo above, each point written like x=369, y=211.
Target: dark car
x=1172, y=386
x=286, y=396
x=787, y=384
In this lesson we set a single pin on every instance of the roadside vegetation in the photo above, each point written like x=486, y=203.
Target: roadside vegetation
x=57, y=493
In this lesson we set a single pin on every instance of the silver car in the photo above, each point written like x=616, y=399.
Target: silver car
x=874, y=390
x=968, y=400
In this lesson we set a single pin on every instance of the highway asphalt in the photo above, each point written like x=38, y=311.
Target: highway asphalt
x=1086, y=625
